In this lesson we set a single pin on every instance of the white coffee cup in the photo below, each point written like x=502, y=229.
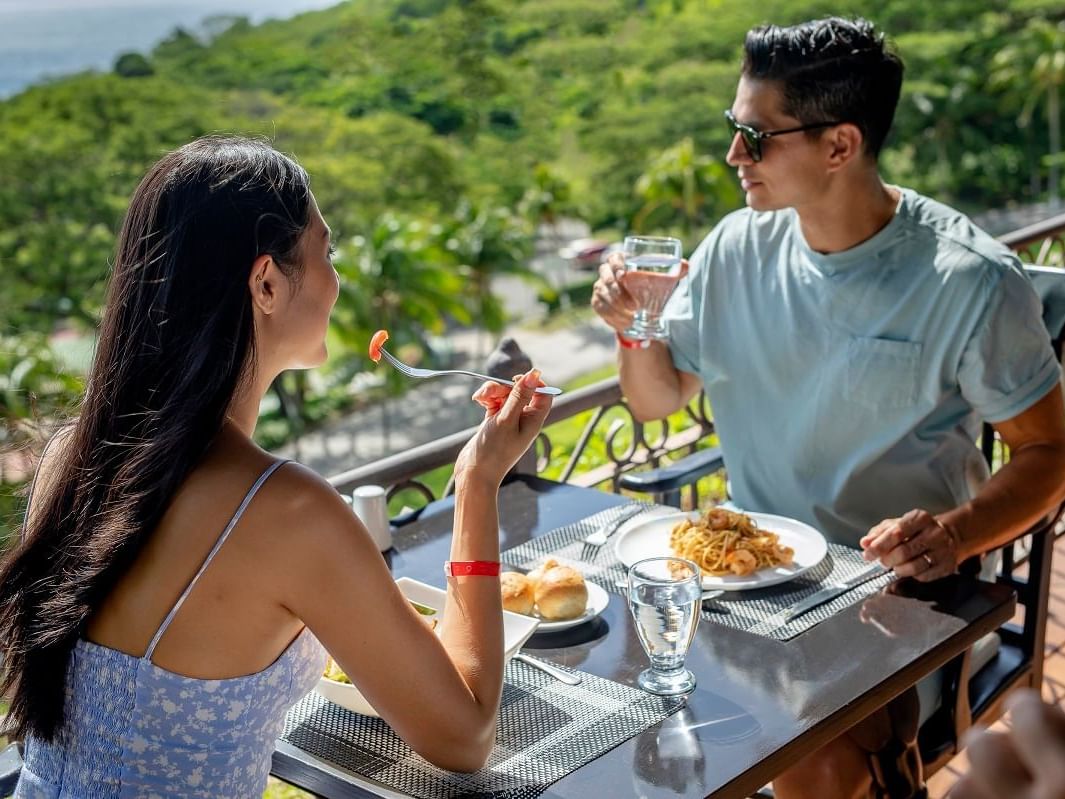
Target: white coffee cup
x=371, y=507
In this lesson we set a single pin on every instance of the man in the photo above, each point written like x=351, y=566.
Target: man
x=851, y=336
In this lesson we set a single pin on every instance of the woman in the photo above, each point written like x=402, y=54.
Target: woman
x=166, y=604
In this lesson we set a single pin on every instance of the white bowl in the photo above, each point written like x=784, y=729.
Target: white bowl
x=516, y=631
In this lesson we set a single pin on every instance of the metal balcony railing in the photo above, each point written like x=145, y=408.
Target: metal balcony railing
x=629, y=444
x=1041, y=244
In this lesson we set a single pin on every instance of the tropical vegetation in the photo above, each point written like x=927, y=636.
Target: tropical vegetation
x=441, y=134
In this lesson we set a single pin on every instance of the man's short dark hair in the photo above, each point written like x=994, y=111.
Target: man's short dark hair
x=830, y=70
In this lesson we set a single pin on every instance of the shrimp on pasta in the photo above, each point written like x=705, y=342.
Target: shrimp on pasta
x=725, y=542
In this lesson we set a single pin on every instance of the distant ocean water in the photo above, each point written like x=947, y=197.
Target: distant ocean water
x=45, y=38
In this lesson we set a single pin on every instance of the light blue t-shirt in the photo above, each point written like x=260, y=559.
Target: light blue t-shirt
x=848, y=388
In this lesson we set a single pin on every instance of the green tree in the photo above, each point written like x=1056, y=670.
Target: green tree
x=545, y=202
x=1034, y=65
x=683, y=185
x=486, y=243
x=133, y=65
x=548, y=198
x=399, y=278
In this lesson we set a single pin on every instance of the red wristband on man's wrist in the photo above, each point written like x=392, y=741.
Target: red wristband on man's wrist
x=471, y=568
x=631, y=343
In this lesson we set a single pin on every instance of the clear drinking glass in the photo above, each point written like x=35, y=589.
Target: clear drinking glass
x=652, y=269
x=664, y=598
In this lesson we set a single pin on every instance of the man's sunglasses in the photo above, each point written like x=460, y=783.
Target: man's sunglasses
x=753, y=138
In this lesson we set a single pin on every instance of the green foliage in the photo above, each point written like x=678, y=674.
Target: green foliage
x=72, y=153
x=549, y=198
x=398, y=277
x=133, y=65
x=276, y=789
x=33, y=383
x=429, y=126
x=577, y=295
x=486, y=242
x=404, y=105
x=689, y=187
x=36, y=390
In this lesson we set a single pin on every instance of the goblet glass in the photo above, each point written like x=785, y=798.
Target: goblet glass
x=664, y=596
x=652, y=270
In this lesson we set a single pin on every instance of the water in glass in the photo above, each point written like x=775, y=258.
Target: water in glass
x=652, y=270
x=664, y=595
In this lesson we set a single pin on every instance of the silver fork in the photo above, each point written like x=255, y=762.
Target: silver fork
x=594, y=540
x=411, y=371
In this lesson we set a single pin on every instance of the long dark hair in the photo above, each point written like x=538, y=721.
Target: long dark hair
x=176, y=341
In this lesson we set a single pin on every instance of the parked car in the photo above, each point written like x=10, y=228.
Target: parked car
x=587, y=253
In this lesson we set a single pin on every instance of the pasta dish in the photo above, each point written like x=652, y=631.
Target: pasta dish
x=724, y=542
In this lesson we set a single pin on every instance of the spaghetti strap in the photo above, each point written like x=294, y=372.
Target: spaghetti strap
x=210, y=556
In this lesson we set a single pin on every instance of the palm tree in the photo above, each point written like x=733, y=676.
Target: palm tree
x=487, y=242
x=397, y=277
x=544, y=203
x=1035, y=64
x=547, y=199
x=691, y=185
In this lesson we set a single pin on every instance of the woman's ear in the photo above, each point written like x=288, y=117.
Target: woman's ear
x=845, y=144
x=262, y=282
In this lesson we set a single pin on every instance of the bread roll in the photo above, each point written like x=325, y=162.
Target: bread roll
x=517, y=593
x=561, y=594
x=535, y=575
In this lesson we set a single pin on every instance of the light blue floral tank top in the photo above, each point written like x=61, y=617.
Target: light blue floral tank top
x=133, y=729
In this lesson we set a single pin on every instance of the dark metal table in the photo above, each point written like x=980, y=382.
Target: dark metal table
x=760, y=704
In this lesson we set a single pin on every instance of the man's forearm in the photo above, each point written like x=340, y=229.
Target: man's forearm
x=650, y=382
x=1017, y=496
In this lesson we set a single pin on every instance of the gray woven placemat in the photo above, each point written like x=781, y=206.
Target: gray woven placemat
x=565, y=545
x=762, y=611
x=759, y=611
x=546, y=730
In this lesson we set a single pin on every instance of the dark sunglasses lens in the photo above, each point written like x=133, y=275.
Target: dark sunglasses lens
x=750, y=137
x=753, y=144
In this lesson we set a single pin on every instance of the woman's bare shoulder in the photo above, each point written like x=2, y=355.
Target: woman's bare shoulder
x=308, y=531
x=297, y=489
x=298, y=498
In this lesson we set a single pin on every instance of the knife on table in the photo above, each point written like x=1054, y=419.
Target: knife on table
x=829, y=593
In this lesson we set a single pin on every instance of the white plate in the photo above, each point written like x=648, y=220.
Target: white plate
x=650, y=538
x=516, y=631
x=598, y=599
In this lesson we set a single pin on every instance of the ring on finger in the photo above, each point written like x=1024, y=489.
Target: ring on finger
x=928, y=559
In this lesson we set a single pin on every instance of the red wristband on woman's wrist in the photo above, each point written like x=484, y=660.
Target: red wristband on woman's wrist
x=632, y=344
x=471, y=568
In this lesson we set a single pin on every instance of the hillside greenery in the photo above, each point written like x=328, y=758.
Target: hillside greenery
x=439, y=133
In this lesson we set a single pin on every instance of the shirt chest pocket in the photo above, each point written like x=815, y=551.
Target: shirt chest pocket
x=882, y=373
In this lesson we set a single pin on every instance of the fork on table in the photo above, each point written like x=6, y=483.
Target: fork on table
x=594, y=540
x=413, y=371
